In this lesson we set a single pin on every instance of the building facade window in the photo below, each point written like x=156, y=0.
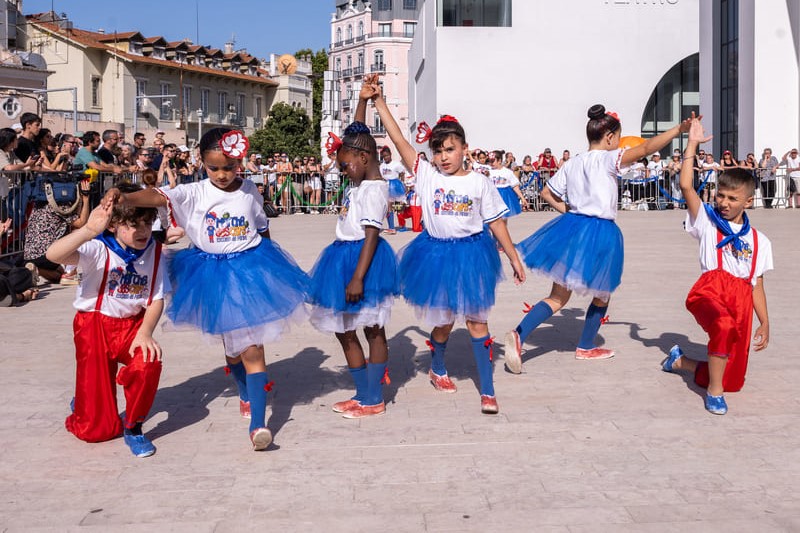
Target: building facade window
x=240, y=102
x=495, y=13
x=205, y=96
x=135, y=47
x=187, y=99
x=384, y=30
x=257, y=108
x=360, y=29
x=729, y=75
x=222, y=105
x=384, y=5
x=349, y=34
x=165, y=104
x=338, y=65
x=95, y=91
x=674, y=98
x=338, y=36
x=409, y=4
x=141, y=90
x=409, y=28
x=377, y=61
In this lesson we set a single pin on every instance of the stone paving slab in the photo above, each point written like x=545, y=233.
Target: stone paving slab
x=579, y=446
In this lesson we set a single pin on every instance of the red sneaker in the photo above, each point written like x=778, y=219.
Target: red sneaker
x=342, y=407
x=244, y=409
x=261, y=438
x=594, y=353
x=441, y=383
x=489, y=405
x=513, y=355
x=361, y=411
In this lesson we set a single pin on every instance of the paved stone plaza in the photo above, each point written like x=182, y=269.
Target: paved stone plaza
x=578, y=446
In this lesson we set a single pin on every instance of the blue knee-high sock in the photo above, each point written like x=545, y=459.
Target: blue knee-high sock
x=390, y=219
x=360, y=379
x=538, y=314
x=258, y=399
x=594, y=316
x=437, y=357
x=239, y=377
x=482, y=351
x=375, y=373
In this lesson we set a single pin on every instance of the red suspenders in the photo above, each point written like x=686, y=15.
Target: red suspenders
x=755, y=253
x=102, y=290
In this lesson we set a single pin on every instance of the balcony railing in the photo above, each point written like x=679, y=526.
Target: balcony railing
x=391, y=34
x=358, y=71
x=346, y=103
x=377, y=67
x=347, y=73
x=378, y=130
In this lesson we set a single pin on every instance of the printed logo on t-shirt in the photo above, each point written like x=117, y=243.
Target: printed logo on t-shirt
x=450, y=203
x=345, y=208
x=499, y=180
x=127, y=285
x=226, y=228
x=745, y=254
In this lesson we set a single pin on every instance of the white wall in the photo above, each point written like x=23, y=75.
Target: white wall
x=776, y=94
x=529, y=86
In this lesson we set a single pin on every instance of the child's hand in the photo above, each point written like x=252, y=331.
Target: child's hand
x=151, y=350
x=354, y=291
x=99, y=219
x=5, y=226
x=368, y=86
x=519, y=271
x=696, y=132
x=113, y=196
x=761, y=337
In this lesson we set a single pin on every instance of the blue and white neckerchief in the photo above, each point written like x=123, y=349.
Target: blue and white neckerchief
x=725, y=228
x=129, y=255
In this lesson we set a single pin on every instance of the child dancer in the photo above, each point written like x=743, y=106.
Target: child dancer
x=581, y=250
x=235, y=282
x=733, y=258
x=507, y=184
x=354, y=281
x=394, y=174
x=119, y=302
x=451, y=270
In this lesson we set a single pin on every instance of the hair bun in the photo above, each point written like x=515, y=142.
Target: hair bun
x=356, y=128
x=597, y=111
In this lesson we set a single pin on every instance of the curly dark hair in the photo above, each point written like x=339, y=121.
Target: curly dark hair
x=128, y=214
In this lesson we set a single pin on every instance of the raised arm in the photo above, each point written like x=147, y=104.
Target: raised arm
x=65, y=249
x=696, y=136
x=407, y=152
x=143, y=198
x=655, y=144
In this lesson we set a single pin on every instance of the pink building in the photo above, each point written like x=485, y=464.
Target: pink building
x=368, y=37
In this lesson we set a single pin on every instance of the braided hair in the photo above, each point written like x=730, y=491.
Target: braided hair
x=358, y=136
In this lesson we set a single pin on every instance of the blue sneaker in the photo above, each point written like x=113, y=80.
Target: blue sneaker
x=140, y=445
x=716, y=404
x=675, y=353
x=72, y=405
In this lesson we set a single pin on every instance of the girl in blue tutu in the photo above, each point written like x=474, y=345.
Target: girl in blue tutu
x=234, y=282
x=451, y=270
x=507, y=184
x=582, y=249
x=354, y=281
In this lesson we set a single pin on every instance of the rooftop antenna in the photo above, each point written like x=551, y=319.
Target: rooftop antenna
x=197, y=21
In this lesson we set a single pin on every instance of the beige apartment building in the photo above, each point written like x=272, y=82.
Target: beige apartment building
x=127, y=80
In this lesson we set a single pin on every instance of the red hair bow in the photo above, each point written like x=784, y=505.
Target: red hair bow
x=613, y=114
x=447, y=118
x=333, y=143
x=234, y=144
x=423, y=132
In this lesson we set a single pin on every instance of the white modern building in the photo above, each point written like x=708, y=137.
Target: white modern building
x=521, y=74
x=750, y=74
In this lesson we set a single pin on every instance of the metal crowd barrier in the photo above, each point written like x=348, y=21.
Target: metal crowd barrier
x=302, y=192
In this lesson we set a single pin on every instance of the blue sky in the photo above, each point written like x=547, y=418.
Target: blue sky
x=262, y=27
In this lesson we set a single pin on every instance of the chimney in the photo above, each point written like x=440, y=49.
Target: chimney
x=101, y=31
x=229, y=47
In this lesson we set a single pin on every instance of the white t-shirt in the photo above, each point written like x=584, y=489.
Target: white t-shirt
x=656, y=169
x=365, y=205
x=503, y=177
x=216, y=221
x=481, y=168
x=713, y=168
x=392, y=170
x=456, y=206
x=735, y=263
x=589, y=182
x=793, y=162
x=125, y=294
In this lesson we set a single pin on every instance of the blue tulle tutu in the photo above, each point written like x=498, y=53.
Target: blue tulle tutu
x=512, y=201
x=582, y=253
x=397, y=191
x=335, y=268
x=458, y=276
x=220, y=293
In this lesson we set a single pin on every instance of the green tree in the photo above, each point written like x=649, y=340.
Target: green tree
x=288, y=129
x=319, y=64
